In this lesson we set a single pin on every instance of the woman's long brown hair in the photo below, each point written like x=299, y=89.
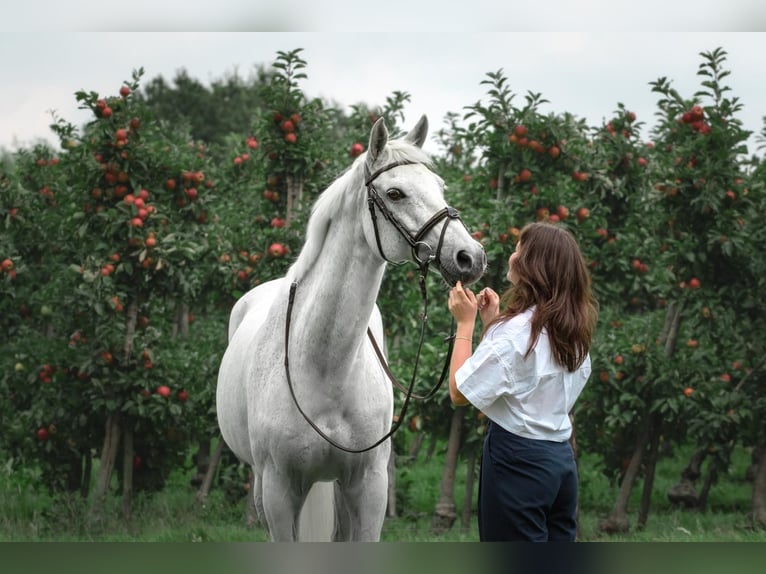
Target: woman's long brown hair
x=552, y=276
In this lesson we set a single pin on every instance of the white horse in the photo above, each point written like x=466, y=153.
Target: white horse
x=388, y=206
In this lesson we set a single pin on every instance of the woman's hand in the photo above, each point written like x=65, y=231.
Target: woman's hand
x=489, y=304
x=462, y=304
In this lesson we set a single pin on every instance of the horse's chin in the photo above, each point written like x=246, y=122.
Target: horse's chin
x=451, y=277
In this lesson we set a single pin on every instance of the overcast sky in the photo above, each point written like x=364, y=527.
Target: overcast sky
x=585, y=72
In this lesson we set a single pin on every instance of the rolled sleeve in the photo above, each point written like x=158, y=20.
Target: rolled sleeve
x=484, y=376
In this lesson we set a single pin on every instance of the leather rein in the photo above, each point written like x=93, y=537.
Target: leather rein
x=423, y=255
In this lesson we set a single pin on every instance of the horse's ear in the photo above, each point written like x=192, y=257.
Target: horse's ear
x=378, y=140
x=417, y=135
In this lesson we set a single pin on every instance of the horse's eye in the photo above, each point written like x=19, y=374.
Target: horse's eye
x=394, y=194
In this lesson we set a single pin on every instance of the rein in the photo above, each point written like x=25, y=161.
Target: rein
x=416, y=243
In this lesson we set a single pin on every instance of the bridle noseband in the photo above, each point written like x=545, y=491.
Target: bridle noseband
x=416, y=242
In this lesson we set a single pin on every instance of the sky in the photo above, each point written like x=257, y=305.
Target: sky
x=587, y=70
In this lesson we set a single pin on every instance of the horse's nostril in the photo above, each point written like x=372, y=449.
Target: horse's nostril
x=464, y=261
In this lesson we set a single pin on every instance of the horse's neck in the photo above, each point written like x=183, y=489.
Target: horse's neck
x=335, y=299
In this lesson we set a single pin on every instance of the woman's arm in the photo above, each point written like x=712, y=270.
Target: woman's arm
x=463, y=306
x=460, y=353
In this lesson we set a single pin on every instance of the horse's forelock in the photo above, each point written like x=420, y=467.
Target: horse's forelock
x=400, y=150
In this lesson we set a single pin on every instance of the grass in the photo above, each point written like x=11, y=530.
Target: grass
x=28, y=513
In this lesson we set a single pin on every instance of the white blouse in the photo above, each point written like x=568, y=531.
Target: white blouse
x=529, y=397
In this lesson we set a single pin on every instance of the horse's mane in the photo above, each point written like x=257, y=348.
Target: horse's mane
x=345, y=194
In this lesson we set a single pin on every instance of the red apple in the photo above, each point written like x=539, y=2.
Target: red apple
x=287, y=126
x=163, y=391
x=694, y=283
x=277, y=250
x=183, y=395
x=42, y=433
x=124, y=91
x=291, y=138
x=583, y=213
x=580, y=176
x=356, y=149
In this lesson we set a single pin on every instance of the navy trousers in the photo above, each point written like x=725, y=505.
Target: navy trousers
x=527, y=489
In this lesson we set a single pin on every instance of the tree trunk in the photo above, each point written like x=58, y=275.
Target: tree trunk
x=618, y=520
x=712, y=475
x=108, y=458
x=649, y=470
x=130, y=331
x=755, y=460
x=431, y=447
x=576, y=453
x=391, y=506
x=444, y=513
x=415, y=446
x=684, y=492
x=758, y=501
x=669, y=335
x=465, y=517
x=207, y=481
x=202, y=462
x=127, y=472
x=573, y=437
x=294, y=185
x=85, y=485
x=181, y=321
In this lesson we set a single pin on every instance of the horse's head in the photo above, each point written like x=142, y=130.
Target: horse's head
x=409, y=218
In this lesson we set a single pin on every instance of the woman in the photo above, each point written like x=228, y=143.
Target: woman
x=525, y=376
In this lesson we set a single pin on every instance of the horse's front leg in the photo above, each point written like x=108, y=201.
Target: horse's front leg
x=281, y=503
x=362, y=500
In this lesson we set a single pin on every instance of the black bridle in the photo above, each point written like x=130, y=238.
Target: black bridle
x=423, y=261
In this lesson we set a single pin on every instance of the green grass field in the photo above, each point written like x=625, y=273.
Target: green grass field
x=28, y=513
